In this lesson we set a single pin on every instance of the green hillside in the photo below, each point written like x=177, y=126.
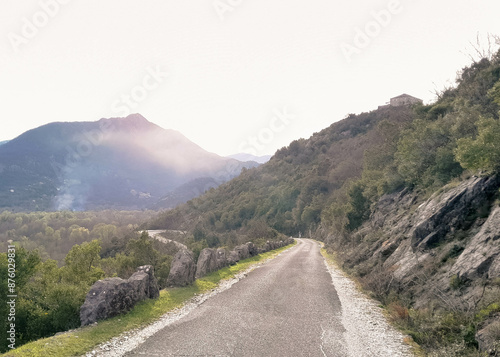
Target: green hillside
x=369, y=186
x=331, y=179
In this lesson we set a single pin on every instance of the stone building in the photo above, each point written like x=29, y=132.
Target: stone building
x=404, y=99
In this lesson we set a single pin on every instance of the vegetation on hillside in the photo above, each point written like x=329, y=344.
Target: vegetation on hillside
x=331, y=179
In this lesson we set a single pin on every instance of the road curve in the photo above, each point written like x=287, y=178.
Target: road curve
x=287, y=307
x=156, y=234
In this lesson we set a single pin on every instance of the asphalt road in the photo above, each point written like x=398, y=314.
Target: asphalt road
x=287, y=307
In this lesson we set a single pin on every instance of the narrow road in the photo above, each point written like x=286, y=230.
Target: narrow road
x=156, y=234
x=288, y=307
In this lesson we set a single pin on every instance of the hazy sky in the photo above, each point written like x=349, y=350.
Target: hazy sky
x=231, y=75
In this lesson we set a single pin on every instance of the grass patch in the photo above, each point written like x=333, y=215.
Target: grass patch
x=82, y=340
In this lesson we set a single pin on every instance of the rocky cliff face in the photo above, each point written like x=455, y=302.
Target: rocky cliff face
x=446, y=248
x=442, y=252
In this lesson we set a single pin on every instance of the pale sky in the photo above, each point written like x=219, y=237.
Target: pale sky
x=231, y=75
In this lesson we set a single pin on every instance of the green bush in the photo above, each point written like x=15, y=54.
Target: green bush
x=483, y=152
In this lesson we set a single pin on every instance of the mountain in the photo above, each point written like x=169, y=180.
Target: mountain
x=289, y=191
x=4, y=142
x=407, y=199
x=185, y=192
x=250, y=157
x=122, y=163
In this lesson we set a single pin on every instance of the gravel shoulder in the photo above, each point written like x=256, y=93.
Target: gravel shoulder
x=367, y=332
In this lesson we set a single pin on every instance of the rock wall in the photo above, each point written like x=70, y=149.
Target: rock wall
x=114, y=296
x=442, y=252
x=211, y=259
x=425, y=245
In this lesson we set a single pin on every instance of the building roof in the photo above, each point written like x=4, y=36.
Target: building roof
x=405, y=95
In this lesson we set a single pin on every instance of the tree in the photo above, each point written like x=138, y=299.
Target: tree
x=143, y=251
x=359, y=209
x=483, y=152
x=81, y=263
x=494, y=93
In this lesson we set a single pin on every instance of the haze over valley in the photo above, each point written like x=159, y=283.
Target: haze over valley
x=121, y=163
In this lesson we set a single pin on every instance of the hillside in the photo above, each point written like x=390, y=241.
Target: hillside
x=289, y=191
x=405, y=197
x=121, y=163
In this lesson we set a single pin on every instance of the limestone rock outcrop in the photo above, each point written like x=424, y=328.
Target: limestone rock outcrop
x=481, y=257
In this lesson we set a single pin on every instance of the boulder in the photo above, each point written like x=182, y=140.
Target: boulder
x=207, y=262
x=242, y=251
x=152, y=289
x=261, y=250
x=252, y=249
x=233, y=257
x=113, y=296
x=183, y=269
x=221, y=258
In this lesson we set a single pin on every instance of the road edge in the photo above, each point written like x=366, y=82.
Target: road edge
x=364, y=319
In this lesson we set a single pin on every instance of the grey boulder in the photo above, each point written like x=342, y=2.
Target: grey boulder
x=113, y=296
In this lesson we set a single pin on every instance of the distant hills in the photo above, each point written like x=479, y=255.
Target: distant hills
x=121, y=163
x=249, y=157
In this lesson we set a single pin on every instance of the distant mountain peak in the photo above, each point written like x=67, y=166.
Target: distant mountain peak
x=132, y=121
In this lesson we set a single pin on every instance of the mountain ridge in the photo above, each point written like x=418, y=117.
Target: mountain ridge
x=125, y=163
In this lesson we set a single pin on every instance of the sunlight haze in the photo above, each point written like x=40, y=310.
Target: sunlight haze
x=221, y=74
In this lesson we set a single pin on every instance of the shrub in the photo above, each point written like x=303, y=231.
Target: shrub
x=483, y=152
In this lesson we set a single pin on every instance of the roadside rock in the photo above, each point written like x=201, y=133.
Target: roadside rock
x=183, y=269
x=252, y=249
x=261, y=250
x=113, y=296
x=242, y=251
x=221, y=258
x=207, y=262
x=233, y=257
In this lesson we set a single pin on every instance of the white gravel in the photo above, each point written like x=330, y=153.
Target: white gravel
x=367, y=331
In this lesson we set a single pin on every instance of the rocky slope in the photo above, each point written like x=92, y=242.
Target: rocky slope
x=441, y=252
